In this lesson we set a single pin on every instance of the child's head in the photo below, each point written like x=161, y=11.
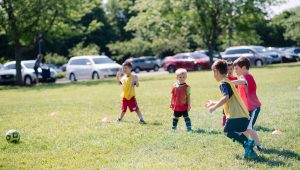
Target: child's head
x=219, y=69
x=181, y=75
x=127, y=67
x=241, y=65
x=229, y=67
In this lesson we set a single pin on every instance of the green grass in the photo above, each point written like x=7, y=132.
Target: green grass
x=77, y=138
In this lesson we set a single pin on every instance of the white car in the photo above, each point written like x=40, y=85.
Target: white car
x=91, y=67
x=8, y=73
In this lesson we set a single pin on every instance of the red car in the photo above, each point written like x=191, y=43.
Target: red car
x=190, y=61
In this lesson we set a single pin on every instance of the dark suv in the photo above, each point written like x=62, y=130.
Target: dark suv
x=145, y=63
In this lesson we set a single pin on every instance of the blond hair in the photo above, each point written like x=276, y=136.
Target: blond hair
x=180, y=71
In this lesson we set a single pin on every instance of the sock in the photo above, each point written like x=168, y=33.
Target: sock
x=175, y=121
x=242, y=139
x=188, y=123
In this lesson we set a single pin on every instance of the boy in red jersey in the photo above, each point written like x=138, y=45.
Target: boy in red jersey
x=247, y=90
x=181, y=102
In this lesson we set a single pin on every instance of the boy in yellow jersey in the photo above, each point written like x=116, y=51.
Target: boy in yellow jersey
x=128, y=82
x=237, y=116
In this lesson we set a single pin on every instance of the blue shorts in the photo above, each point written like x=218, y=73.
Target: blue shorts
x=253, y=117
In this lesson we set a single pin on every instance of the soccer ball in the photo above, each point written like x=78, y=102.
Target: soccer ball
x=12, y=136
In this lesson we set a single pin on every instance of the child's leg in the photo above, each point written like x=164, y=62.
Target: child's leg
x=187, y=120
x=240, y=137
x=254, y=136
x=250, y=131
x=175, y=122
x=138, y=112
x=121, y=116
x=233, y=129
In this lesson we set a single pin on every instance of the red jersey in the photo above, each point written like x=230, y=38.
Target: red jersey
x=180, y=93
x=248, y=93
x=231, y=78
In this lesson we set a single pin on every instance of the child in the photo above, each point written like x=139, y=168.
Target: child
x=231, y=78
x=247, y=90
x=234, y=109
x=181, y=102
x=128, y=81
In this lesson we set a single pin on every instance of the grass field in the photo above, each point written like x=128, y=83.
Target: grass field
x=76, y=138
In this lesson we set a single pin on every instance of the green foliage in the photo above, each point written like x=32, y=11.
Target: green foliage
x=54, y=58
x=76, y=138
x=3, y=60
x=80, y=49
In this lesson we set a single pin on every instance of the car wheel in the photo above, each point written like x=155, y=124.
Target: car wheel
x=156, y=68
x=171, y=69
x=72, y=77
x=95, y=76
x=28, y=81
x=137, y=70
x=258, y=63
x=198, y=67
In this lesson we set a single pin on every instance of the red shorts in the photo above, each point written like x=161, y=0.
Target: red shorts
x=131, y=103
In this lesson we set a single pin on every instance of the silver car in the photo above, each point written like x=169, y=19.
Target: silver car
x=253, y=53
x=8, y=73
x=91, y=67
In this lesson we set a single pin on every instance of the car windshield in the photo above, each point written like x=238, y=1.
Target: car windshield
x=29, y=65
x=238, y=51
x=102, y=60
x=260, y=49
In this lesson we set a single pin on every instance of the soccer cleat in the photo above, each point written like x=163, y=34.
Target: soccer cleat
x=142, y=122
x=249, y=152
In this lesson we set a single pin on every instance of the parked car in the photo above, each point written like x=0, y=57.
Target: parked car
x=145, y=63
x=91, y=67
x=57, y=68
x=291, y=54
x=8, y=73
x=255, y=54
x=189, y=61
x=276, y=54
x=216, y=54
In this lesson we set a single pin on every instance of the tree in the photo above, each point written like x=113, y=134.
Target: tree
x=23, y=21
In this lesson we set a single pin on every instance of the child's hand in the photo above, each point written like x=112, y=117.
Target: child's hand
x=208, y=104
x=211, y=109
x=189, y=108
x=119, y=73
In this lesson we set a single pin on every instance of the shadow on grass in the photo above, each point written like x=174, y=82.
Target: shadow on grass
x=283, y=153
x=263, y=160
x=202, y=131
x=263, y=129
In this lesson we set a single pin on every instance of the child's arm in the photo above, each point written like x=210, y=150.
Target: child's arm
x=118, y=76
x=239, y=82
x=137, y=83
x=214, y=105
x=189, y=102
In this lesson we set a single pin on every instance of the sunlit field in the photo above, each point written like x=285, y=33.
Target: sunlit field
x=61, y=125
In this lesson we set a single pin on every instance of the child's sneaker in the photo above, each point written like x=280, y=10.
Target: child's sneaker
x=142, y=122
x=119, y=120
x=249, y=148
x=252, y=154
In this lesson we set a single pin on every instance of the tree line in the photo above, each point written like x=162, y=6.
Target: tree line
x=132, y=28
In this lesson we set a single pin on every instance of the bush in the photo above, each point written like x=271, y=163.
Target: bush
x=80, y=49
x=53, y=58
